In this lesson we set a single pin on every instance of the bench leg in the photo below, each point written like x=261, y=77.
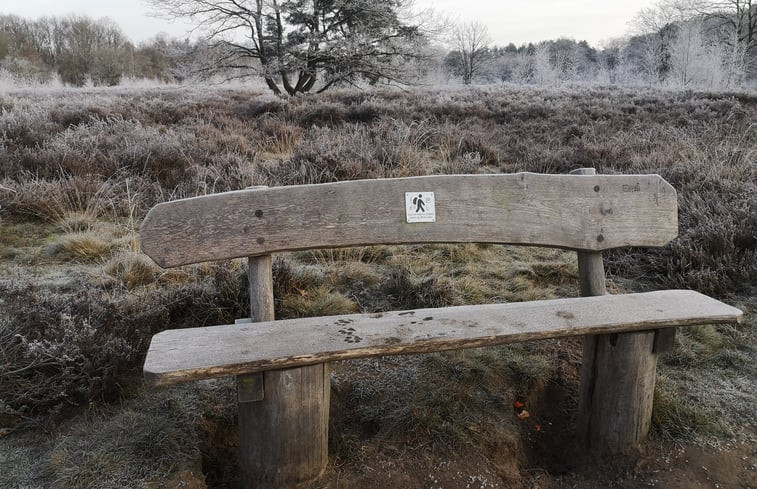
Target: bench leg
x=617, y=375
x=617, y=390
x=283, y=438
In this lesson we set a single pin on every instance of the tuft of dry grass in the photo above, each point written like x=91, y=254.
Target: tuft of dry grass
x=329, y=256
x=82, y=246
x=320, y=301
x=76, y=222
x=58, y=199
x=132, y=269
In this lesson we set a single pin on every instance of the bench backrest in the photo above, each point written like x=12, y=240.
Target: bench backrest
x=580, y=212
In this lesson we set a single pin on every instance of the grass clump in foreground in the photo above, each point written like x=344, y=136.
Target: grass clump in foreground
x=676, y=419
x=84, y=246
x=132, y=269
x=128, y=445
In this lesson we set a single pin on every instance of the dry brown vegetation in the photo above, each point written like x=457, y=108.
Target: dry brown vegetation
x=79, y=302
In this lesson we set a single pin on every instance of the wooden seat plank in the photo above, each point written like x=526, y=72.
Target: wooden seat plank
x=199, y=353
x=579, y=212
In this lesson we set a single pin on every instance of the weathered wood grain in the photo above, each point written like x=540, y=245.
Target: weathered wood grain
x=190, y=354
x=283, y=436
x=615, y=403
x=569, y=211
x=591, y=268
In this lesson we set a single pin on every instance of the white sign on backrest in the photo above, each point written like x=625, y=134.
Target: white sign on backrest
x=420, y=207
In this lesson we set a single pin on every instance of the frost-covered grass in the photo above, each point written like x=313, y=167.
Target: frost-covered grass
x=78, y=302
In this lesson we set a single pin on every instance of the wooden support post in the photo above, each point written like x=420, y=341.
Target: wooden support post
x=664, y=340
x=617, y=375
x=283, y=437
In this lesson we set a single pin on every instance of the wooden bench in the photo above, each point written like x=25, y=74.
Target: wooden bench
x=282, y=366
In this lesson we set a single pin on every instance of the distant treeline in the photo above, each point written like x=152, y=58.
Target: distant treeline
x=78, y=50
x=638, y=60
x=676, y=47
x=709, y=44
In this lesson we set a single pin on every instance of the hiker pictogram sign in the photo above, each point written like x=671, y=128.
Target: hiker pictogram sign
x=420, y=207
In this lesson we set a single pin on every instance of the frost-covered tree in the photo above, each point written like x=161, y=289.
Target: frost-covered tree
x=612, y=63
x=471, y=49
x=506, y=63
x=649, y=48
x=736, y=61
x=544, y=72
x=738, y=16
x=692, y=61
x=734, y=22
x=562, y=60
x=298, y=46
x=688, y=43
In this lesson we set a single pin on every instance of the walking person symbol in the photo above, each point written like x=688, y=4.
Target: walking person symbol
x=418, y=201
x=420, y=207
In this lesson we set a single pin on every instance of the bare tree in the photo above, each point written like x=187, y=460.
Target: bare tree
x=304, y=45
x=691, y=62
x=696, y=42
x=655, y=32
x=471, y=41
x=737, y=21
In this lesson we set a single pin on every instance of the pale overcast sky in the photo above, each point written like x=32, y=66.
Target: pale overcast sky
x=517, y=21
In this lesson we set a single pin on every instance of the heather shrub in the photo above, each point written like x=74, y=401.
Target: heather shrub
x=261, y=106
x=25, y=126
x=277, y=136
x=321, y=114
x=223, y=173
x=68, y=116
x=220, y=135
x=53, y=200
x=58, y=353
x=363, y=113
x=715, y=252
x=315, y=160
x=166, y=112
x=456, y=143
x=67, y=346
